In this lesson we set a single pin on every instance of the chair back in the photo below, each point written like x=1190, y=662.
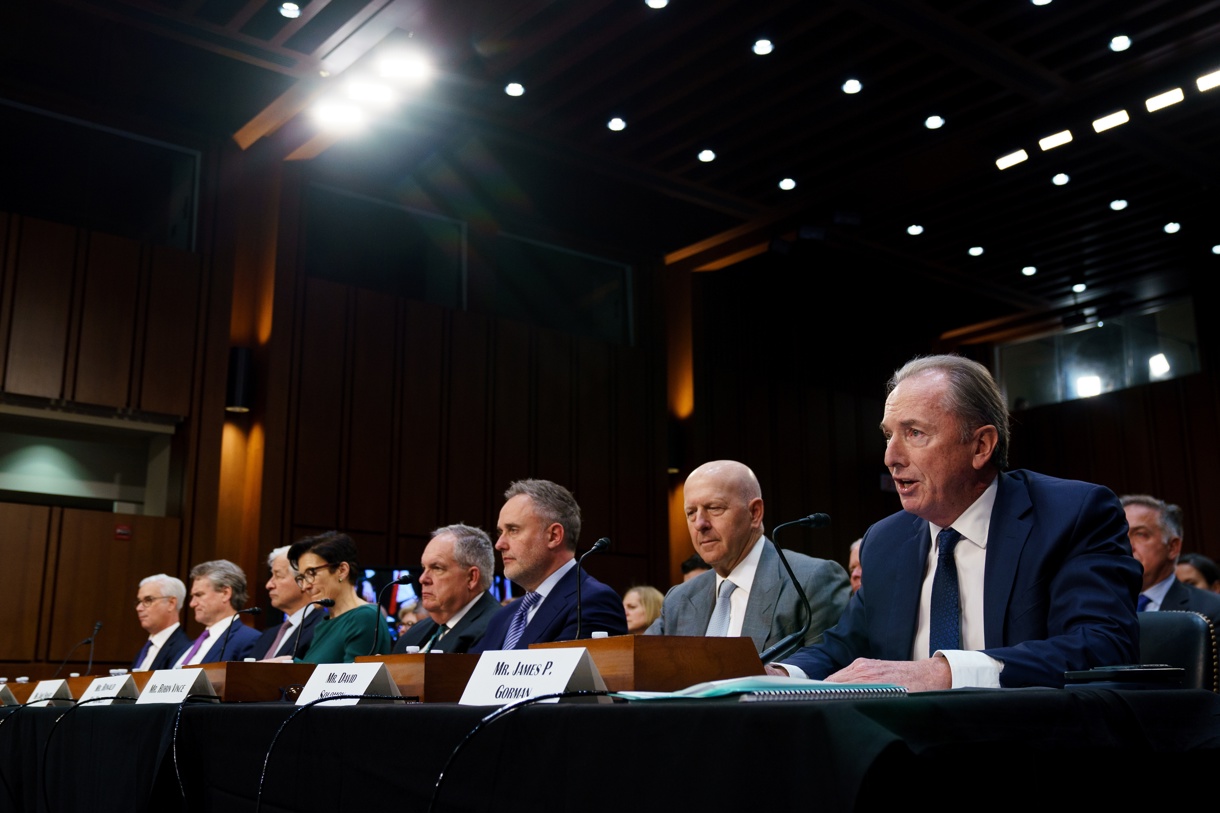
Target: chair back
x=1181, y=638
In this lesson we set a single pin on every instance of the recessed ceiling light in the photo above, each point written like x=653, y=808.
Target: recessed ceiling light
x=707, y=155
x=656, y=3
x=407, y=66
x=616, y=124
x=975, y=251
x=934, y=122
x=377, y=94
x=787, y=184
x=914, y=229
x=1120, y=43
x=763, y=47
x=1079, y=288
x=339, y=115
x=1041, y=2
x=1163, y=100
x=1012, y=159
x=290, y=10
x=1209, y=81
x=1060, y=179
x=852, y=86
x=1215, y=249
x=1172, y=227
x=1111, y=120
x=1029, y=270
x=1118, y=204
x=514, y=89
x=1158, y=365
x=1055, y=140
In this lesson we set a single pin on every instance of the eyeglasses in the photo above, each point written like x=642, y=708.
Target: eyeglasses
x=308, y=575
x=147, y=601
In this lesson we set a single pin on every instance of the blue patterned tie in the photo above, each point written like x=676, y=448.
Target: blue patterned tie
x=718, y=627
x=520, y=619
x=945, y=631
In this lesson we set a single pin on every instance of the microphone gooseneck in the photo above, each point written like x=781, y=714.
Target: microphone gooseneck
x=97, y=625
x=296, y=639
x=225, y=644
x=600, y=544
x=789, y=643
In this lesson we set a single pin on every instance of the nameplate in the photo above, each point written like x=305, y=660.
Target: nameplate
x=105, y=690
x=7, y=698
x=511, y=676
x=176, y=685
x=338, y=679
x=51, y=693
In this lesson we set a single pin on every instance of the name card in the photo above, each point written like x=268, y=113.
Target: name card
x=510, y=676
x=51, y=693
x=337, y=679
x=7, y=698
x=176, y=685
x=104, y=691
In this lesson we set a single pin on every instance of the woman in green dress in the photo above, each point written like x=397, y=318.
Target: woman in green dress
x=326, y=566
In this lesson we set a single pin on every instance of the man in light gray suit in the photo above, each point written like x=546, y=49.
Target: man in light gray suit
x=724, y=513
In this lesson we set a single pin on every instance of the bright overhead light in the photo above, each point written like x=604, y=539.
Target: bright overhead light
x=1158, y=365
x=763, y=47
x=514, y=89
x=787, y=184
x=1012, y=159
x=616, y=124
x=1209, y=81
x=339, y=115
x=290, y=10
x=1060, y=179
x=934, y=122
x=1172, y=227
x=405, y=66
x=377, y=94
x=1216, y=249
x=1118, y=204
x=1041, y=2
x=1120, y=43
x=1055, y=140
x=1088, y=385
x=1079, y=288
x=656, y=3
x=1163, y=100
x=975, y=251
x=1029, y=270
x=707, y=156
x=852, y=86
x=914, y=229
x=1111, y=120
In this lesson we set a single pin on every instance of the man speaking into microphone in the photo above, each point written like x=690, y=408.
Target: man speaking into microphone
x=539, y=525
x=747, y=593
x=218, y=592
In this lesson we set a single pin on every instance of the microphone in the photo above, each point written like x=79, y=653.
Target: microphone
x=229, y=631
x=97, y=625
x=407, y=577
x=790, y=643
x=296, y=641
x=600, y=544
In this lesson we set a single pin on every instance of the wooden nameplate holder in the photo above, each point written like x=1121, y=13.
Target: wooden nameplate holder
x=428, y=678
x=666, y=663
x=255, y=681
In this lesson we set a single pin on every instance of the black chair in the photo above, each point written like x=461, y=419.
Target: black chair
x=1181, y=638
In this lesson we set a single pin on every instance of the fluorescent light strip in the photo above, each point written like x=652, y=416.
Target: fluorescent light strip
x=1163, y=100
x=1055, y=140
x=1012, y=159
x=1112, y=120
x=1209, y=81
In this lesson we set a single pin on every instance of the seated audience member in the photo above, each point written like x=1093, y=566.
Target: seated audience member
x=853, y=565
x=458, y=565
x=748, y=592
x=539, y=526
x=1198, y=571
x=693, y=566
x=291, y=637
x=1036, y=576
x=159, y=602
x=327, y=567
x=641, y=605
x=218, y=591
x=1155, y=529
x=406, y=617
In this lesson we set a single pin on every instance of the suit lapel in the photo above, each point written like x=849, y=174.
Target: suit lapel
x=911, y=557
x=556, y=602
x=764, y=598
x=1011, y=523
x=701, y=600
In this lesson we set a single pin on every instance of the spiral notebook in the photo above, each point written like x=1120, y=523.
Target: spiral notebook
x=771, y=688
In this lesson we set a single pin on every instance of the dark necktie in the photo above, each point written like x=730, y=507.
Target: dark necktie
x=1142, y=603
x=148, y=645
x=279, y=638
x=520, y=619
x=436, y=636
x=945, y=631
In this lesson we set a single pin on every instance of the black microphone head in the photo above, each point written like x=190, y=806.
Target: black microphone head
x=251, y=611
x=602, y=543
x=97, y=625
x=816, y=521
x=406, y=578
x=325, y=602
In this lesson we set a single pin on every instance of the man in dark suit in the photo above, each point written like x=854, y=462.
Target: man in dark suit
x=724, y=512
x=1037, y=577
x=1156, y=540
x=458, y=565
x=539, y=525
x=159, y=602
x=218, y=592
x=292, y=636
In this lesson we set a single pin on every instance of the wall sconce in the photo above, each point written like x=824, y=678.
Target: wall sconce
x=239, y=395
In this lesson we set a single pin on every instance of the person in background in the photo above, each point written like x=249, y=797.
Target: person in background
x=291, y=637
x=642, y=605
x=159, y=603
x=1198, y=571
x=406, y=617
x=853, y=565
x=1155, y=529
x=694, y=566
x=218, y=591
x=327, y=567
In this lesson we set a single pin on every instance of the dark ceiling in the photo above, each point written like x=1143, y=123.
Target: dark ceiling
x=1002, y=73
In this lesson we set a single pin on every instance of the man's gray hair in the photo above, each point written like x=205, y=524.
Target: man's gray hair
x=170, y=586
x=554, y=503
x=973, y=396
x=282, y=550
x=472, y=547
x=1170, y=515
x=222, y=573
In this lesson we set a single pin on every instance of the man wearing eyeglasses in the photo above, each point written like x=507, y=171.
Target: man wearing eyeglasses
x=158, y=606
x=293, y=600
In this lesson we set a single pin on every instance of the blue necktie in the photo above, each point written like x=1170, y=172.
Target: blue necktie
x=945, y=631
x=148, y=645
x=1142, y=603
x=520, y=619
x=718, y=626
